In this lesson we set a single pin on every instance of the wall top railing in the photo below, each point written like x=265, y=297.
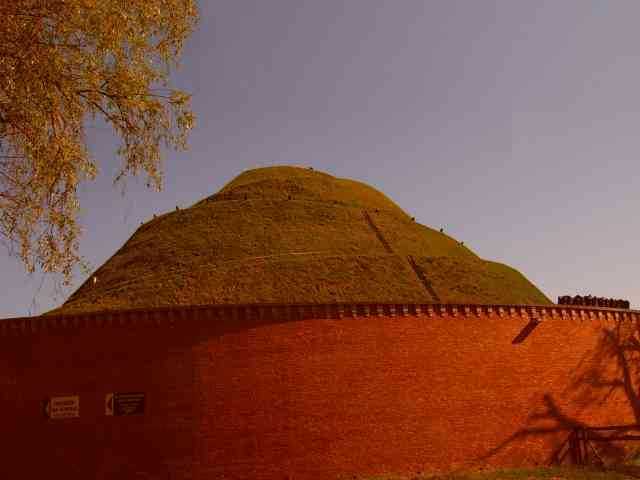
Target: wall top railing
x=171, y=315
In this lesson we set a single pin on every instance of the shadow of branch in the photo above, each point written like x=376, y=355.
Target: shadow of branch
x=611, y=367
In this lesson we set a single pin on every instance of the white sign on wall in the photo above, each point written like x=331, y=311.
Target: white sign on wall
x=62, y=407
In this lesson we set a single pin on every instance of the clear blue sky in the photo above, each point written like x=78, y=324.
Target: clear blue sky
x=513, y=124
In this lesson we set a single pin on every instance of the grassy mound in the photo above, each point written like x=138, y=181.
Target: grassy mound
x=287, y=234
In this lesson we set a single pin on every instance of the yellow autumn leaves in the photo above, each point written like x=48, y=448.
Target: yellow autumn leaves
x=63, y=63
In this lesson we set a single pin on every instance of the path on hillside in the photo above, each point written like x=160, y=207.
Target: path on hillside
x=423, y=278
x=414, y=266
x=377, y=232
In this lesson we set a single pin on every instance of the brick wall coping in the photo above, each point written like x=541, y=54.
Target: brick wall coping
x=168, y=316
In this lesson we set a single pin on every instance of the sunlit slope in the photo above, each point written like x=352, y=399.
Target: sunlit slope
x=286, y=234
x=311, y=185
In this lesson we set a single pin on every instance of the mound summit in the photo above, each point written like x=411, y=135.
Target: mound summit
x=295, y=235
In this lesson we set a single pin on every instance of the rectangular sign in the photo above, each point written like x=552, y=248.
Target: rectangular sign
x=119, y=404
x=62, y=407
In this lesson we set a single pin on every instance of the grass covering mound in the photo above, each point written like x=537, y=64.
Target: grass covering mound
x=295, y=235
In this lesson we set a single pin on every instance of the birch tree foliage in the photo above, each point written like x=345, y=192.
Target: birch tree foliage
x=64, y=63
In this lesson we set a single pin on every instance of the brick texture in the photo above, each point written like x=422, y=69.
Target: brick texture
x=296, y=393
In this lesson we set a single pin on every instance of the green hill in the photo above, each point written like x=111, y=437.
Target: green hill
x=295, y=235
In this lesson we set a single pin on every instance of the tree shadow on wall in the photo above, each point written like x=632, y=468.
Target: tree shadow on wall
x=607, y=375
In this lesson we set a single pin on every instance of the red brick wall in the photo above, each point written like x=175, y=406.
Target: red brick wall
x=253, y=393
x=90, y=363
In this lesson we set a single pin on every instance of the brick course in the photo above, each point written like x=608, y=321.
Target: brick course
x=273, y=392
